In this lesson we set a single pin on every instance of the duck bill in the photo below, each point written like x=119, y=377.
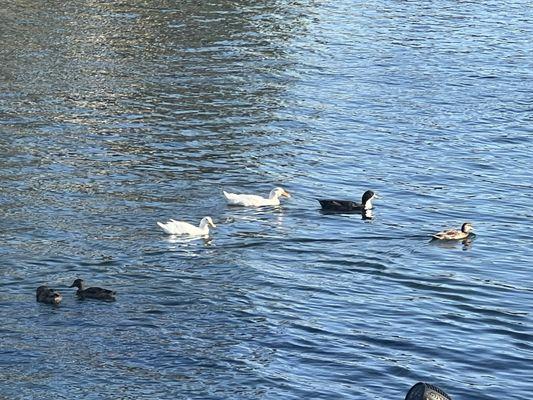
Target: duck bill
x=212, y=224
x=286, y=194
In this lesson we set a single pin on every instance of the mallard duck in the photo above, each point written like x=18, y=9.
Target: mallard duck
x=93, y=292
x=174, y=227
x=348, y=205
x=425, y=391
x=453, y=234
x=252, y=200
x=44, y=294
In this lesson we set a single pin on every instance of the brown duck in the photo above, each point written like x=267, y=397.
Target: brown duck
x=454, y=234
x=44, y=294
x=93, y=292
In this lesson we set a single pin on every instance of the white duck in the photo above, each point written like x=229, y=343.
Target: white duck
x=174, y=227
x=252, y=200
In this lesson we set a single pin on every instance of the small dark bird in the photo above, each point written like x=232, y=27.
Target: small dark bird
x=425, y=391
x=93, y=292
x=47, y=295
x=348, y=205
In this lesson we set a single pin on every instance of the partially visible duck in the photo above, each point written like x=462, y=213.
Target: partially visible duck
x=425, y=391
x=93, y=292
x=454, y=234
x=174, y=227
x=44, y=294
x=252, y=200
x=348, y=205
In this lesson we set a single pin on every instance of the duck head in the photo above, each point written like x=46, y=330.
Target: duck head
x=207, y=221
x=467, y=227
x=278, y=192
x=367, y=198
x=77, y=283
x=55, y=297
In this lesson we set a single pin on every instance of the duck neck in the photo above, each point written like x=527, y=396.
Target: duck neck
x=273, y=195
x=204, y=224
x=368, y=204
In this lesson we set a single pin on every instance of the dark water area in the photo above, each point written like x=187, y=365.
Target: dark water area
x=116, y=115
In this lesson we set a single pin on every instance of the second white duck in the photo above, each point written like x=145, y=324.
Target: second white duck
x=174, y=227
x=252, y=200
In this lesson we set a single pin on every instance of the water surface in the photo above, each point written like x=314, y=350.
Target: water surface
x=115, y=116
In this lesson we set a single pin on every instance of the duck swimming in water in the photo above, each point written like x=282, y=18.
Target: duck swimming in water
x=93, y=292
x=453, y=234
x=252, y=200
x=348, y=205
x=44, y=294
x=174, y=227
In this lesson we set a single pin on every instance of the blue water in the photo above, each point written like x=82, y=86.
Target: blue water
x=115, y=115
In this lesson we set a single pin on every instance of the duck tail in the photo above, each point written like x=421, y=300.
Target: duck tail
x=163, y=226
x=231, y=197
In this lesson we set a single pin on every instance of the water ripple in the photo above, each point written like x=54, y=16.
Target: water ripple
x=118, y=115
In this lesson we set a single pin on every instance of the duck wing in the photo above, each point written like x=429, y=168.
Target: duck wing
x=99, y=293
x=245, y=199
x=448, y=234
x=339, y=205
x=174, y=227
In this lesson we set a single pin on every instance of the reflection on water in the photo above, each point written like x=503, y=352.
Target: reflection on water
x=176, y=239
x=115, y=115
x=365, y=214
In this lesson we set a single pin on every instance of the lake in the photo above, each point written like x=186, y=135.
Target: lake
x=116, y=115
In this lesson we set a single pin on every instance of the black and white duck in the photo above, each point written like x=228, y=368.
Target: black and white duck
x=47, y=295
x=348, y=205
x=93, y=292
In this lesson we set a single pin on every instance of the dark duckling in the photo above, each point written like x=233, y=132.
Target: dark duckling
x=425, y=391
x=348, y=205
x=93, y=292
x=44, y=294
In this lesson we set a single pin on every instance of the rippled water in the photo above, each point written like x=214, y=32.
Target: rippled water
x=115, y=115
